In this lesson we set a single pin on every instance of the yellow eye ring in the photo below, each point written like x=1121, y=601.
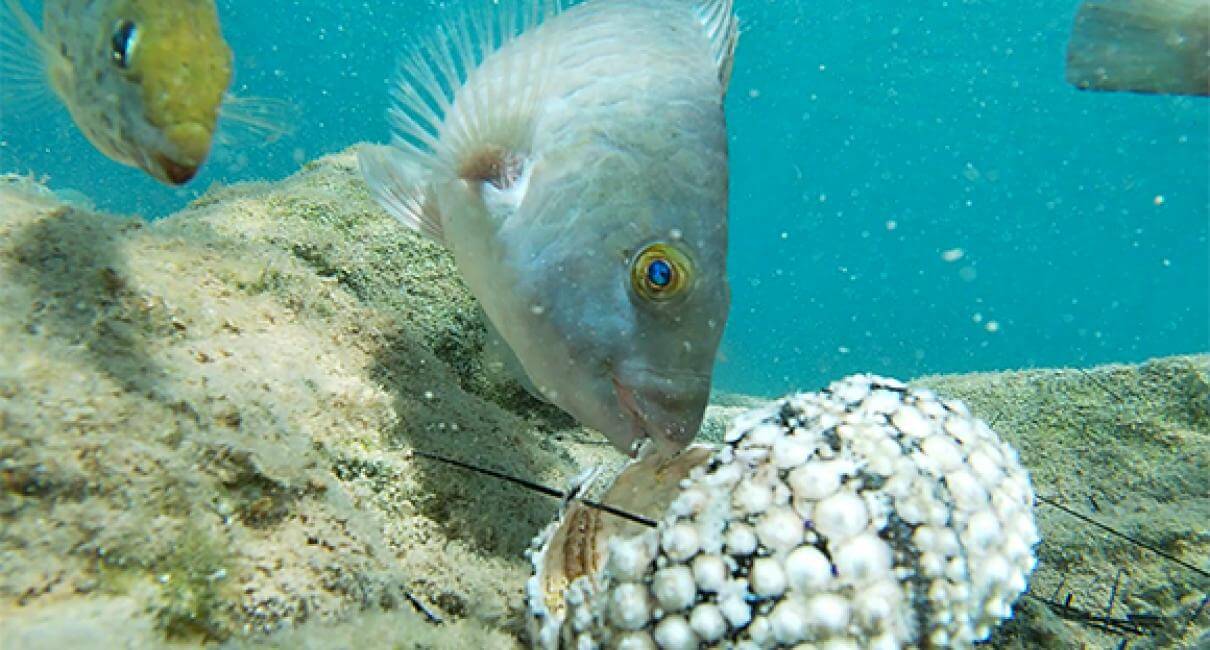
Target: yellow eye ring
x=660, y=272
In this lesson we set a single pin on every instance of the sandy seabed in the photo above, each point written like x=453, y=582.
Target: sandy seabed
x=207, y=425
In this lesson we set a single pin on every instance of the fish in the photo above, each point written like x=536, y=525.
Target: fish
x=573, y=159
x=1142, y=46
x=143, y=80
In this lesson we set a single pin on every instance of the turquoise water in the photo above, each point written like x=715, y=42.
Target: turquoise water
x=915, y=188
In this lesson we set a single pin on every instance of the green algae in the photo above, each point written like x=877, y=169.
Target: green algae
x=193, y=578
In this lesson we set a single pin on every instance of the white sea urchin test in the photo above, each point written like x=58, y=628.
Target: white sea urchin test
x=826, y=518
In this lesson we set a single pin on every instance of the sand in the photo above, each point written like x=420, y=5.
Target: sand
x=207, y=425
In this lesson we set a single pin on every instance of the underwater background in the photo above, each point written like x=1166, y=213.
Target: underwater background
x=915, y=188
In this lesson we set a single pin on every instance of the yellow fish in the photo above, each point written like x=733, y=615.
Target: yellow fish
x=1146, y=46
x=142, y=79
x=574, y=160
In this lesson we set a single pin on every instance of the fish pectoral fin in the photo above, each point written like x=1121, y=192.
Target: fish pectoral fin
x=1148, y=46
x=26, y=60
x=255, y=121
x=722, y=28
x=400, y=187
x=497, y=351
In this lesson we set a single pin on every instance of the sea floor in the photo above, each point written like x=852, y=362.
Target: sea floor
x=207, y=427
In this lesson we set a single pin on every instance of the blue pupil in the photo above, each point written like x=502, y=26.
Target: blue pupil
x=659, y=273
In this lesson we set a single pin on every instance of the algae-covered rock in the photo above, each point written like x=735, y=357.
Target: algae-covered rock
x=207, y=425
x=207, y=419
x=1128, y=446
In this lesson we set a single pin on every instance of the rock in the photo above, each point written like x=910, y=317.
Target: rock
x=206, y=427
x=211, y=415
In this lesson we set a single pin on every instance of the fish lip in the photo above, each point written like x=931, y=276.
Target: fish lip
x=634, y=414
x=641, y=425
x=173, y=171
x=185, y=148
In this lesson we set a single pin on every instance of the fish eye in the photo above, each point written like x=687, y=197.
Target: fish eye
x=660, y=272
x=125, y=36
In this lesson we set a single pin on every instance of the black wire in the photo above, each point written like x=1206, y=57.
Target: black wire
x=651, y=523
x=1112, y=531
x=537, y=487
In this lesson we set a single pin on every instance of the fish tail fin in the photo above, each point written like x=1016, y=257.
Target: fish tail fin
x=722, y=28
x=24, y=53
x=398, y=184
x=1148, y=46
x=495, y=111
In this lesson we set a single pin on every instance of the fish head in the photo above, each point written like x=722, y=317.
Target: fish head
x=168, y=68
x=622, y=323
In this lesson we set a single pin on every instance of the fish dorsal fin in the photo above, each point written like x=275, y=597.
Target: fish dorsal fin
x=492, y=111
x=452, y=119
x=722, y=28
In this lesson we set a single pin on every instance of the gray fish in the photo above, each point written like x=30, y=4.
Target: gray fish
x=574, y=160
x=1145, y=46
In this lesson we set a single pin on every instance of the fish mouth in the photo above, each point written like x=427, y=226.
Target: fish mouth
x=174, y=172
x=668, y=416
x=634, y=416
x=186, y=146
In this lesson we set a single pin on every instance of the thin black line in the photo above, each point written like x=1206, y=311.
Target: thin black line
x=1112, y=531
x=1113, y=594
x=1197, y=612
x=420, y=607
x=1132, y=624
x=537, y=487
